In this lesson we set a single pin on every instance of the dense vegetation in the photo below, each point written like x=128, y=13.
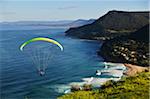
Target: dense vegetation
x=136, y=87
x=112, y=24
x=133, y=48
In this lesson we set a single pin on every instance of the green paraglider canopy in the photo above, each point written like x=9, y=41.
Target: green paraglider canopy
x=41, y=39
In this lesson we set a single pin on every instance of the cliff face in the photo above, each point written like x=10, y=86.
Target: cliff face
x=133, y=48
x=112, y=24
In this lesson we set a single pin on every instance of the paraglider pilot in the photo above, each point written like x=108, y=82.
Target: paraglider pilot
x=41, y=72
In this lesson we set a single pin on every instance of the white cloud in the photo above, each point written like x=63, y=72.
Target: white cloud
x=67, y=7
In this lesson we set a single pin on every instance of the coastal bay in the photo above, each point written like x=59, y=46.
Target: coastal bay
x=129, y=49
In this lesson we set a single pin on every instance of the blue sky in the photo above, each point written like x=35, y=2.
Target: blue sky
x=47, y=10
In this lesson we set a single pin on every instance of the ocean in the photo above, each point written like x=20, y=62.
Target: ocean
x=19, y=78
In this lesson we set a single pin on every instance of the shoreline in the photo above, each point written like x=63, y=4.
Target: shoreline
x=123, y=69
x=132, y=70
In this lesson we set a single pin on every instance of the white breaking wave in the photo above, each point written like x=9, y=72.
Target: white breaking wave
x=114, y=70
x=62, y=88
x=97, y=82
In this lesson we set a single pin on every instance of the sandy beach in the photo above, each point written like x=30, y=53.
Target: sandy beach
x=134, y=69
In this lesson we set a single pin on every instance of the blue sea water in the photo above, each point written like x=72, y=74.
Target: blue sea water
x=18, y=76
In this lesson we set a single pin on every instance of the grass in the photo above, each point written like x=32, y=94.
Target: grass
x=136, y=87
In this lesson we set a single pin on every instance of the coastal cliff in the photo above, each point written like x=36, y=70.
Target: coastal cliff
x=126, y=36
x=112, y=24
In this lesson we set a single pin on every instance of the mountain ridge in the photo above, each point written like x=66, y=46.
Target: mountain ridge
x=112, y=24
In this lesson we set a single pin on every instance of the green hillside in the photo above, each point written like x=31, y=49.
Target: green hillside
x=136, y=87
x=112, y=24
x=133, y=48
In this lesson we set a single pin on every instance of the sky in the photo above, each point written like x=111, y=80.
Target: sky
x=52, y=10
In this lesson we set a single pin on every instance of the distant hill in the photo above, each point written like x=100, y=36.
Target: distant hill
x=112, y=24
x=63, y=23
x=132, y=48
x=81, y=22
x=38, y=22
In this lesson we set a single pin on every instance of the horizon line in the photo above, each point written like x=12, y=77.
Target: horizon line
x=55, y=20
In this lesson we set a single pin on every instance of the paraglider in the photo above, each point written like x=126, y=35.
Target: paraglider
x=39, y=59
